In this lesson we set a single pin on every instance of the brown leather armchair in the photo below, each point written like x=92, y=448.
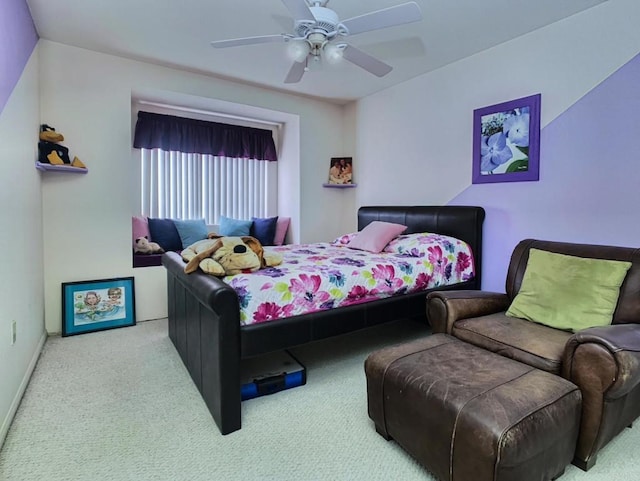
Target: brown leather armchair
x=604, y=362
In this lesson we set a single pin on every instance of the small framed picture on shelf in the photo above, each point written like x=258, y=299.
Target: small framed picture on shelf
x=341, y=171
x=89, y=306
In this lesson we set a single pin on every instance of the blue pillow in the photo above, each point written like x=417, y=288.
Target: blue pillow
x=264, y=229
x=164, y=232
x=234, y=227
x=191, y=230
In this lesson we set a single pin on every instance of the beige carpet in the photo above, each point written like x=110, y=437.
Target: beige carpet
x=119, y=405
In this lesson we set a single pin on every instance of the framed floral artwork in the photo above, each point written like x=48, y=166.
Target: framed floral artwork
x=89, y=306
x=506, y=141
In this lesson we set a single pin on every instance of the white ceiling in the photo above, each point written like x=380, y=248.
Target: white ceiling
x=178, y=33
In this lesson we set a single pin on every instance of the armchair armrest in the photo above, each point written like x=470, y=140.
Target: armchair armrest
x=604, y=362
x=606, y=359
x=444, y=308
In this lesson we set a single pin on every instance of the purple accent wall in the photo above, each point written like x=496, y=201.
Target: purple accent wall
x=18, y=38
x=589, y=187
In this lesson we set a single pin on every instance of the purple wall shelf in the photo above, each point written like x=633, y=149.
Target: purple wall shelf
x=339, y=186
x=60, y=168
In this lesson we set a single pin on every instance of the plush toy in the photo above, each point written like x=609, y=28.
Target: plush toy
x=49, y=134
x=142, y=245
x=51, y=152
x=226, y=256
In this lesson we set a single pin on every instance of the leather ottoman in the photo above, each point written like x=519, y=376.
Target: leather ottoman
x=468, y=414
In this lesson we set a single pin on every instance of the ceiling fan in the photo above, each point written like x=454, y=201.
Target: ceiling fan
x=318, y=32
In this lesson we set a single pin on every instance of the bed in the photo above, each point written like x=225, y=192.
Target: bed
x=205, y=315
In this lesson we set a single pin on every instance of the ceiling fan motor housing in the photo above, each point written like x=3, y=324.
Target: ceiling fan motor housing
x=327, y=21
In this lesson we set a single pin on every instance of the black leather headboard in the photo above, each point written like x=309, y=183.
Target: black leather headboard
x=461, y=222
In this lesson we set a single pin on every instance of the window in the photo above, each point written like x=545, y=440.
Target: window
x=193, y=186
x=199, y=169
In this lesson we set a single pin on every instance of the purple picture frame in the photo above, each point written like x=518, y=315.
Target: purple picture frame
x=506, y=141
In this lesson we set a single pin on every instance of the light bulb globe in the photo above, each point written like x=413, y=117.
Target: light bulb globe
x=332, y=53
x=298, y=50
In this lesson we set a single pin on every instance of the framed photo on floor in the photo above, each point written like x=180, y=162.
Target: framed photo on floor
x=506, y=141
x=89, y=306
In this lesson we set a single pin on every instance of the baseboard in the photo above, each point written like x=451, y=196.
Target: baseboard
x=23, y=386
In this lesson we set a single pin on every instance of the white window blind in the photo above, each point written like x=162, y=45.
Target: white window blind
x=192, y=186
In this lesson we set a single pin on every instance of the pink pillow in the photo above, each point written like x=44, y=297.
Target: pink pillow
x=376, y=236
x=140, y=227
x=281, y=230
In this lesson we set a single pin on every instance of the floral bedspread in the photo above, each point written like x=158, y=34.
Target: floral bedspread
x=316, y=277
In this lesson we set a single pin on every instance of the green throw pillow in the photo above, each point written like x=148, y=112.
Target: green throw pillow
x=567, y=292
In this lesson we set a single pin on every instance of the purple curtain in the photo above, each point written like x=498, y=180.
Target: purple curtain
x=170, y=133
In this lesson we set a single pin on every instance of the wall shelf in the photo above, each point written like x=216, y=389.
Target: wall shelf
x=339, y=186
x=60, y=168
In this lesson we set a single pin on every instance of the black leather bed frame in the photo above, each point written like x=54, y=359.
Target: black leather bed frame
x=204, y=314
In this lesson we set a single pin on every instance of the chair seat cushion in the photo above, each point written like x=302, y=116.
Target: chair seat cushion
x=533, y=344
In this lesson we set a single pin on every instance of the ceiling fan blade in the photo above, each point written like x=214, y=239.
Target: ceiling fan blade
x=236, y=42
x=387, y=17
x=299, y=10
x=296, y=72
x=366, y=61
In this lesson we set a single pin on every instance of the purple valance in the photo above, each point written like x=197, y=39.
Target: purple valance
x=170, y=133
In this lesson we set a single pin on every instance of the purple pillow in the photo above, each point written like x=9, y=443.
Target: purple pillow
x=164, y=232
x=264, y=229
x=376, y=236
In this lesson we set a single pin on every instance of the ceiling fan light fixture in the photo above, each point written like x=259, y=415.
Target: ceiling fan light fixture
x=332, y=53
x=298, y=50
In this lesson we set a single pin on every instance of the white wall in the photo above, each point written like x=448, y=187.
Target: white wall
x=21, y=281
x=424, y=155
x=87, y=96
x=346, y=216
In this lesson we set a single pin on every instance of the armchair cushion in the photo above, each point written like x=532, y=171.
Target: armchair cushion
x=568, y=292
x=519, y=339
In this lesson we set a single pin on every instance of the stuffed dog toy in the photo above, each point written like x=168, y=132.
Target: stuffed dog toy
x=227, y=256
